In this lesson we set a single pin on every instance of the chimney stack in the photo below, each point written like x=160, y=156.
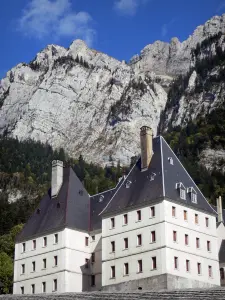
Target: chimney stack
x=146, y=147
x=57, y=177
x=219, y=209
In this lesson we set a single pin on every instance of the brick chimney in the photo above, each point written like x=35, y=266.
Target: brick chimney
x=57, y=177
x=219, y=209
x=146, y=135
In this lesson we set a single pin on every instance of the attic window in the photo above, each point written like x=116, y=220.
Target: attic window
x=170, y=159
x=152, y=176
x=101, y=198
x=182, y=190
x=81, y=192
x=191, y=191
x=128, y=183
x=38, y=211
x=58, y=205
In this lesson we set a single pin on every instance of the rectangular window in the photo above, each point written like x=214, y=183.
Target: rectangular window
x=56, y=238
x=43, y=287
x=152, y=211
x=45, y=241
x=125, y=219
x=56, y=261
x=187, y=265
x=174, y=236
x=126, y=269
x=185, y=215
x=23, y=247
x=196, y=218
x=139, y=215
x=112, y=223
x=113, y=272
x=154, y=266
x=86, y=263
x=173, y=211
x=33, y=266
x=32, y=289
x=197, y=243
x=139, y=266
x=86, y=241
x=199, y=268
x=182, y=194
x=34, y=244
x=54, y=285
x=139, y=240
x=175, y=262
x=92, y=280
x=22, y=290
x=23, y=269
x=113, y=246
x=93, y=257
x=222, y=275
x=186, y=239
x=210, y=271
x=126, y=243
x=208, y=246
x=44, y=263
x=207, y=222
x=153, y=236
x=193, y=198
x=93, y=238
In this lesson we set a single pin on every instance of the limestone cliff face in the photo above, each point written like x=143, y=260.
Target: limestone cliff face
x=92, y=104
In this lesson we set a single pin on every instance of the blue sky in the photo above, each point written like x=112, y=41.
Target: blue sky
x=120, y=28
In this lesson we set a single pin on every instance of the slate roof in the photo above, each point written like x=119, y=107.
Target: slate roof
x=143, y=190
x=222, y=252
x=69, y=209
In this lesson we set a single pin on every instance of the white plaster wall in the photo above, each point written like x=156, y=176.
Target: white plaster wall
x=220, y=234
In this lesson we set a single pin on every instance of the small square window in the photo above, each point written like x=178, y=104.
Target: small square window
x=92, y=280
x=86, y=263
x=208, y=246
x=187, y=265
x=32, y=289
x=44, y=263
x=207, y=222
x=197, y=243
x=210, y=271
x=55, y=285
x=93, y=238
x=23, y=269
x=34, y=244
x=45, y=241
x=126, y=243
x=93, y=257
x=113, y=272
x=174, y=236
x=86, y=241
x=56, y=261
x=173, y=211
x=56, y=238
x=199, y=268
x=126, y=269
x=112, y=223
x=196, y=218
x=152, y=211
x=185, y=215
x=22, y=290
x=44, y=287
x=125, y=219
x=154, y=266
x=139, y=240
x=113, y=246
x=153, y=236
x=186, y=239
x=140, y=266
x=175, y=262
x=23, y=247
x=33, y=266
x=139, y=215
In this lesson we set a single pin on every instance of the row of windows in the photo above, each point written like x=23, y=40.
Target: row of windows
x=54, y=287
x=191, y=191
x=154, y=267
x=152, y=215
x=44, y=243
x=153, y=239
x=44, y=265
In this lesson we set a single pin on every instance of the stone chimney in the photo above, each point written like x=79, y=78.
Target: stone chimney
x=146, y=147
x=57, y=177
x=219, y=209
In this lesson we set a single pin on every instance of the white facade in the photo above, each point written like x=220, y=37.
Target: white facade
x=164, y=249
x=63, y=265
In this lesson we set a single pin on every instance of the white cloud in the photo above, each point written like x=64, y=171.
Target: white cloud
x=42, y=18
x=165, y=27
x=128, y=7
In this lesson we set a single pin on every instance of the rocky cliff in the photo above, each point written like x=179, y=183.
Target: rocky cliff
x=92, y=104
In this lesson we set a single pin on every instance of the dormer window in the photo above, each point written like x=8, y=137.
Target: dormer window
x=170, y=160
x=101, y=198
x=128, y=184
x=152, y=176
x=191, y=191
x=182, y=190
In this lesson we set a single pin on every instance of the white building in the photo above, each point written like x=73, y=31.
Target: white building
x=155, y=230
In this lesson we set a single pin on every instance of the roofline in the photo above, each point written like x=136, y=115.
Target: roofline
x=189, y=176
x=123, y=178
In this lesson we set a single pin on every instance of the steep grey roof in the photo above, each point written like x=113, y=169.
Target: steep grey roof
x=69, y=209
x=222, y=252
x=143, y=190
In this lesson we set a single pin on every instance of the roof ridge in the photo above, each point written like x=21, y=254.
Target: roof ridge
x=67, y=192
